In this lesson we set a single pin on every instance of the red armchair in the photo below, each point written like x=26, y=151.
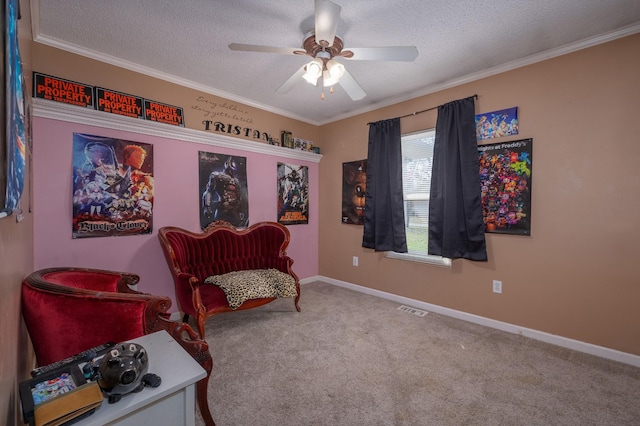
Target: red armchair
x=69, y=310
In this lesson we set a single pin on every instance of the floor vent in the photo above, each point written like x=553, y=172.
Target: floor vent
x=414, y=311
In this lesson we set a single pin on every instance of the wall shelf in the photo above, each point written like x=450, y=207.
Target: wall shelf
x=58, y=111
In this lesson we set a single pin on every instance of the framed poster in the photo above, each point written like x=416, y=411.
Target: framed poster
x=15, y=135
x=354, y=186
x=505, y=177
x=112, y=187
x=497, y=124
x=223, y=189
x=293, y=194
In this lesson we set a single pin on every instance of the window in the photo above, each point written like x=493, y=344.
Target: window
x=417, y=160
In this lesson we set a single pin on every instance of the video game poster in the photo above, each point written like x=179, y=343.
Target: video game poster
x=497, y=124
x=354, y=186
x=505, y=175
x=112, y=187
x=293, y=194
x=223, y=189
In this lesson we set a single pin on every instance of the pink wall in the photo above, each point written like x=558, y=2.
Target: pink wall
x=176, y=203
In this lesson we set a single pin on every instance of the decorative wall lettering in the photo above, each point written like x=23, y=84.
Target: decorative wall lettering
x=232, y=129
x=229, y=118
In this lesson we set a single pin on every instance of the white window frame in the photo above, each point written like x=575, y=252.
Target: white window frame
x=420, y=257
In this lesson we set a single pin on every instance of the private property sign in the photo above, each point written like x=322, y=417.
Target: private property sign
x=119, y=103
x=105, y=100
x=162, y=113
x=65, y=91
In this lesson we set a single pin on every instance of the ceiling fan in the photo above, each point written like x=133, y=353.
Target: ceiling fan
x=323, y=45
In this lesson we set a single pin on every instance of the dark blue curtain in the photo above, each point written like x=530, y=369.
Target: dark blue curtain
x=383, y=208
x=456, y=228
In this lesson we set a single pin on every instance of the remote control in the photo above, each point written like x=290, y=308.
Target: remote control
x=83, y=356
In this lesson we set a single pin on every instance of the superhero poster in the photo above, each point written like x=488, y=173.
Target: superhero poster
x=354, y=185
x=223, y=189
x=293, y=194
x=112, y=187
x=505, y=175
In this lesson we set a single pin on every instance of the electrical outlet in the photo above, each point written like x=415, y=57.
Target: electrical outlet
x=497, y=286
x=355, y=260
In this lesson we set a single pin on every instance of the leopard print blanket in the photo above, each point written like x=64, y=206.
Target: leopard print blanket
x=240, y=286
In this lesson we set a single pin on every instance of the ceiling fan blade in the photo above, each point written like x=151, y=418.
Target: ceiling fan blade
x=351, y=86
x=392, y=53
x=265, y=49
x=291, y=81
x=326, y=21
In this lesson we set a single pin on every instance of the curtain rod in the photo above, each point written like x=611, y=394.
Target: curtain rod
x=424, y=110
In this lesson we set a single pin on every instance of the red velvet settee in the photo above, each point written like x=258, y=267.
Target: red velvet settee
x=222, y=249
x=70, y=310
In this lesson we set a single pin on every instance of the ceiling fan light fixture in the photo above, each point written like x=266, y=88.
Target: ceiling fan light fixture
x=327, y=79
x=310, y=79
x=335, y=68
x=313, y=71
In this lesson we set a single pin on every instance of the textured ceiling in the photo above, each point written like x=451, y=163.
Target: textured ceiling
x=187, y=42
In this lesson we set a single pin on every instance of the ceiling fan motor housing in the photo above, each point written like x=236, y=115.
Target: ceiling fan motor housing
x=312, y=48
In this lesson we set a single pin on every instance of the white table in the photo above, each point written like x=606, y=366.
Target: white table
x=171, y=403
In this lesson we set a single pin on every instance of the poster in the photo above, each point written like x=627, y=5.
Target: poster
x=497, y=124
x=112, y=187
x=15, y=110
x=293, y=194
x=354, y=186
x=223, y=189
x=505, y=176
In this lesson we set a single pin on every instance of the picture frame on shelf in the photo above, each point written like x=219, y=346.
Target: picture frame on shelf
x=286, y=139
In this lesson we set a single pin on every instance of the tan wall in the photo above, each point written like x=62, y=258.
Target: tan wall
x=577, y=275
x=16, y=261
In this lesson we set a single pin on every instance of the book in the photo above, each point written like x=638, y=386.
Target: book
x=59, y=397
x=70, y=405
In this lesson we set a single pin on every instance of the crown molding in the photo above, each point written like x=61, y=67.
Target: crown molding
x=62, y=112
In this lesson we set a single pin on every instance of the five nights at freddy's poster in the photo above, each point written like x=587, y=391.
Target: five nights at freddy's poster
x=505, y=176
x=354, y=185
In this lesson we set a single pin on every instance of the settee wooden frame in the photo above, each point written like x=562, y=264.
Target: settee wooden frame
x=218, y=239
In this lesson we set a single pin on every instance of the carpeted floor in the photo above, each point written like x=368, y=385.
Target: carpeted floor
x=352, y=359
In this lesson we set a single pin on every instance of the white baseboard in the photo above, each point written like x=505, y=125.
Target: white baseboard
x=564, y=342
